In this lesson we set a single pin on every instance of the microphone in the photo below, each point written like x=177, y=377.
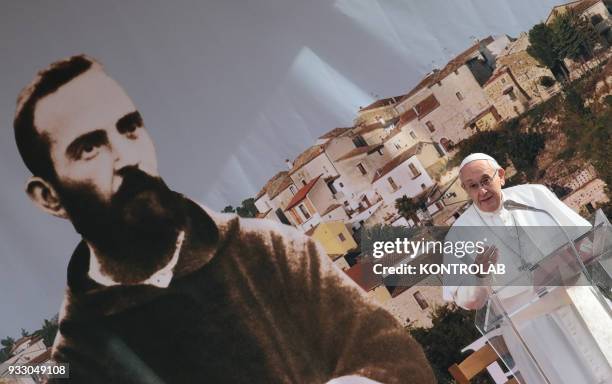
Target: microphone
x=511, y=204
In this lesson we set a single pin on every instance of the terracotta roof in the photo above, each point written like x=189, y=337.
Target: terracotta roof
x=584, y=5
x=451, y=66
x=273, y=183
x=360, y=151
x=426, y=106
x=397, y=160
x=397, y=284
x=364, y=276
x=330, y=208
x=578, y=6
x=335, y=133
x=407, y=117
x=381, y=103
x=305, y=157
x=301, y=194
x=420, y=110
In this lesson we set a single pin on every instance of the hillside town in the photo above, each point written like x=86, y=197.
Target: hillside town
x=396, y=166
x=401, y=148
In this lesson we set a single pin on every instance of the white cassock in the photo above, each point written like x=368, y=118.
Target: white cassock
x=556, y=336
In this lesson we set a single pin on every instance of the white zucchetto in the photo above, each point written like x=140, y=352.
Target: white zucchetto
x=477, y=156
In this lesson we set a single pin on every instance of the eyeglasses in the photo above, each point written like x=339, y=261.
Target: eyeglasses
x=485, y=182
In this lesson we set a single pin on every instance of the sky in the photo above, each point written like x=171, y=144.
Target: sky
x=228, y=90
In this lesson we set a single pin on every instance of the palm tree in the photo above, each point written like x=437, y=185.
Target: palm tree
x=408, y=207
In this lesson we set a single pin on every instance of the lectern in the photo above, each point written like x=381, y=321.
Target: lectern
x=555, y=313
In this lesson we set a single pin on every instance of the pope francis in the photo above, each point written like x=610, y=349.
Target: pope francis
x=549, y=343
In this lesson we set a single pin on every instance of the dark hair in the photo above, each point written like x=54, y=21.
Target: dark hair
x=34, y=146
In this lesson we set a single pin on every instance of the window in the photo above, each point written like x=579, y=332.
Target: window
x=423, y=186
x=430, y=126
x=503, y=80
x=512, y=95
x=362, y=169
x=293, y=189
x=459, y=96
x=414, y=170
x=413, y=135
x=359, y=141
x=392, y=183
x=341, y=185
x=421, y=300
x=304, y=211
x=341, y=237
x=304, y=182
x=331, y=187
x=281, y=216
x=397, y=146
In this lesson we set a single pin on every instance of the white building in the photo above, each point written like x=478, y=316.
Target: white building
x=312, y=204
x=445, y=103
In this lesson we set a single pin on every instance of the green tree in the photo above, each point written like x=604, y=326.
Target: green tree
x=575, y=103
x=503, y=144
x=523, y=149
x=589, y=35
x=542, y=48
x=24, y=333
x=247, y=209
x=452, y=330
x=566, y=36
x=7, y=344
x=48, y=331
x=574, y=36
x=547, y=81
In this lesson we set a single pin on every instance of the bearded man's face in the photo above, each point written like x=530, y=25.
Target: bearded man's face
x=106, y=170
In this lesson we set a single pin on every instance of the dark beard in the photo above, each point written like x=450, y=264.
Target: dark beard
x=135, y=234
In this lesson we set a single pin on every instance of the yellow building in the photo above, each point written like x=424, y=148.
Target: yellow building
x=335, y=238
